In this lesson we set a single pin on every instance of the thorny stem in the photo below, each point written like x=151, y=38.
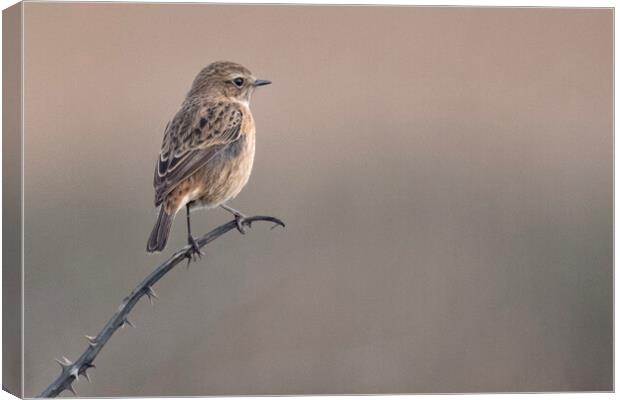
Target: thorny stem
x=71, y=371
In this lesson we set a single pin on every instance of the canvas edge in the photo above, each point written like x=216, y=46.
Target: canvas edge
x=12, y=178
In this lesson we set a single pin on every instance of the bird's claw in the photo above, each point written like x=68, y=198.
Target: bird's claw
x=242, y=221
x=193, y=251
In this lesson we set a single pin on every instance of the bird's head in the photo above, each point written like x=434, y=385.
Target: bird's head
x=226, y=80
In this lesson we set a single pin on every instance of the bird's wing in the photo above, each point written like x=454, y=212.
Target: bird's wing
x=195, y=135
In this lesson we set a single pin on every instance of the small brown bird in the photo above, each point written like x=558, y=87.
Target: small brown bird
x=208, y=149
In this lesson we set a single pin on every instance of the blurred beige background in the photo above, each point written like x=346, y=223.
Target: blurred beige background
x=445, y=175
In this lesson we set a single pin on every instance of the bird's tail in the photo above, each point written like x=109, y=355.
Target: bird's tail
x=159, y=235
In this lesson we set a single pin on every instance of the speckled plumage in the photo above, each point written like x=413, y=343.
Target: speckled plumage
x=208, y=148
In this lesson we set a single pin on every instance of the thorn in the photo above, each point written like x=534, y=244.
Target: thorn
x=84, y=373
x=92, y=340
x=64, y=363
x=150, y=293
x=72, y=390
x=126, y=321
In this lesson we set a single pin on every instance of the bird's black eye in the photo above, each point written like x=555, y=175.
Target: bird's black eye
x=238, y=82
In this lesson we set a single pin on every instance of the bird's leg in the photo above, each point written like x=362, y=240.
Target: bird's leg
x=194, y=248
x=240, y=218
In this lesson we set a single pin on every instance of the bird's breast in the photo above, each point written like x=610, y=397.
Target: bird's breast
x=224, y=178
x=240, y=161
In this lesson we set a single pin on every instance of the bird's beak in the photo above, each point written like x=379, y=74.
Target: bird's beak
x=262, y=82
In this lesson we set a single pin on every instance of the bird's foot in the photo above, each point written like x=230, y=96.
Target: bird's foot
x=242, y=220
x=193, y=251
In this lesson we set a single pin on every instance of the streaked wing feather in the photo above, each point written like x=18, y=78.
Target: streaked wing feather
x=195, y=136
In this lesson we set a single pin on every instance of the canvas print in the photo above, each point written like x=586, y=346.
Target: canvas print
x=225, y=199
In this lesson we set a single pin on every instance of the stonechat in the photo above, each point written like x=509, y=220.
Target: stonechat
x=208, y=149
